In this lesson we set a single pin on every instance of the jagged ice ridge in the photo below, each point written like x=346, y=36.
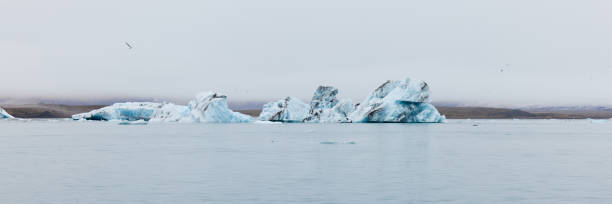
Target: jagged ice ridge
x=405, y=101
x=207, y=107
x=393, y=102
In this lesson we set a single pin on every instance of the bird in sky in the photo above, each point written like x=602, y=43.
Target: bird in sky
x=502, y=70
x=128, y=45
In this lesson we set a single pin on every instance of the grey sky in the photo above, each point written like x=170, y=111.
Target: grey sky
x=552, y=51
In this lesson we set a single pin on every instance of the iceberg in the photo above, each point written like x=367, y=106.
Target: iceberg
x=398, y=102
x=207, y=107
x=129, y=111
x=324, y=107
x=405, y=101
x=289, y=109
x=4, y=114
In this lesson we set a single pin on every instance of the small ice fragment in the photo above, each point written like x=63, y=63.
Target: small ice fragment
x=595, y=121
x=138, y=122
x=267, y=122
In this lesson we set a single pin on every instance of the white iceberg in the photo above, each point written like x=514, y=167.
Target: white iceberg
x=206, y=107
x=289, y=109
x=4, y=114
x=598, y=121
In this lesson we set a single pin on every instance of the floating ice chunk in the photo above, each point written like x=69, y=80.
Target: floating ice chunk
x=267, y=122
x=4, y=114
x=289, y=109
x=206, y=107
x=598, y=121
x=324, y=107
x=400, y=102
x=138, y=122
x=394, y=101
x=129, y=111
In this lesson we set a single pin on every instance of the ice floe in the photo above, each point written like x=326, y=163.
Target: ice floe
x=208, y=107
x=398, y=102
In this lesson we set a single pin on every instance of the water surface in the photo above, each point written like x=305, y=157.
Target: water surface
x=497, y=161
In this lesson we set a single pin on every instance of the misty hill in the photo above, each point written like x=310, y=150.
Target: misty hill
x=47, y=110
x=66, y=111
x=505, y=113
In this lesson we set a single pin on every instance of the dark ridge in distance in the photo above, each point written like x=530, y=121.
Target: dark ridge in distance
x=66, y=111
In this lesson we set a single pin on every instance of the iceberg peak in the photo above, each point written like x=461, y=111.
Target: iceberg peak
x=399, y=102
x=290, y=109
x=211, y=107
x=325, y=106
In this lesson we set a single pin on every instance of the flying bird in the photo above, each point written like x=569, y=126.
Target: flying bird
x=128, y=45
x=502, y=70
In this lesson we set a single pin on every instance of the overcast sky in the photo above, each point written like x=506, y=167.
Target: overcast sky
x=553, y=52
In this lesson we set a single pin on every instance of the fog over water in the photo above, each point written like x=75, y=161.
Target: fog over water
x=474, y=52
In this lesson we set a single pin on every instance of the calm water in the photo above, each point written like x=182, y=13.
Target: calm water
x=498, y=161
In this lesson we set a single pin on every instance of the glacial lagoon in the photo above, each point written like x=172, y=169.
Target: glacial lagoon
x=460, y=161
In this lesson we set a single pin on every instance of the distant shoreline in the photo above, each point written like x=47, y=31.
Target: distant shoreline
x=66, y=111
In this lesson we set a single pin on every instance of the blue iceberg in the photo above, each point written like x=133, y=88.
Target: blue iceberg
x=207, y=107
x=129, y=111
x=392, y=102
x=398, y=102
x=405, y=101
x=324, y=107
x=4, y=114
